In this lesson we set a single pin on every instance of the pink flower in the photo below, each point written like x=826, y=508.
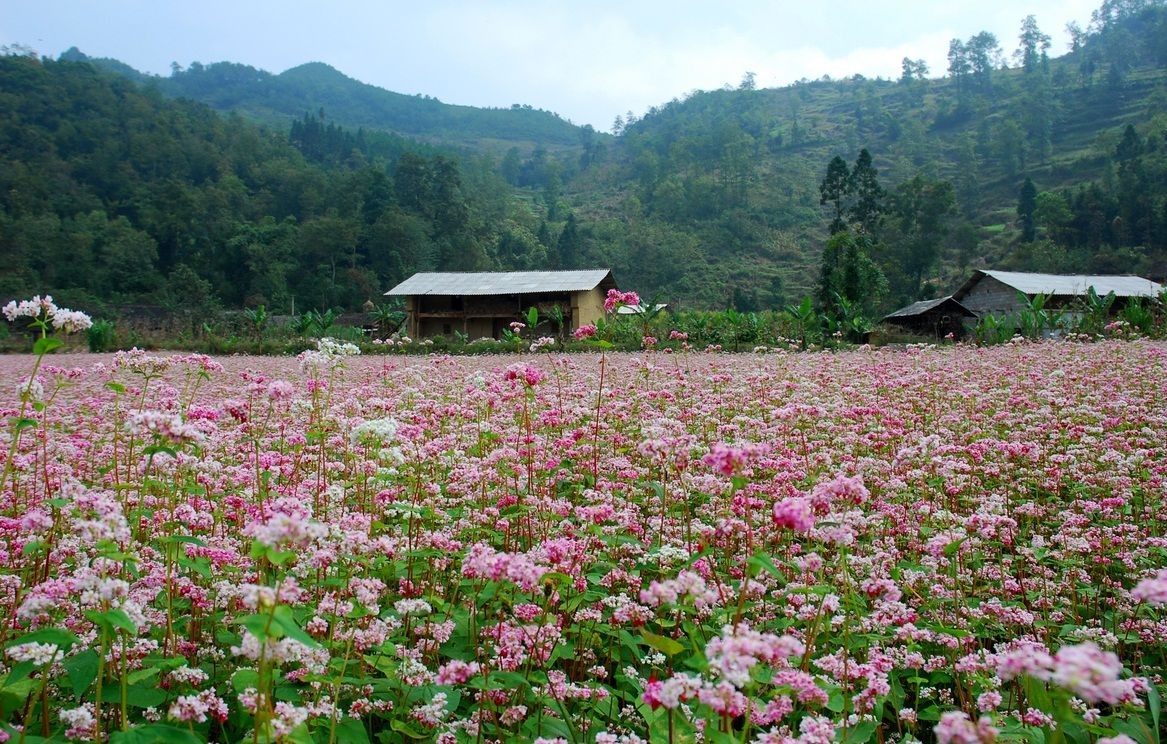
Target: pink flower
x=525, y=373
x=1153, y=590
x=616, y=299
x=842, y=488
x=652, y=690
x=795, y=514
x=456, y=672
x=1092, y=674
x=584, y=331
x=956, y=728
x=728, y=459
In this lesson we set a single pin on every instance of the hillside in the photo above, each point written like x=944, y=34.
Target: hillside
x=326, y=191
x=728, y=180
x=274, y=99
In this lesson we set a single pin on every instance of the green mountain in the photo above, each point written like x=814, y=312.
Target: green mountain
x=320, y=191
x=273, y=99
x=726, y=184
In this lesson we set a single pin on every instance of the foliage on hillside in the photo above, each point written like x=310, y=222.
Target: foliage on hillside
x=114, y=192
x=725, y=182
x=315, y=86
x=111, y=193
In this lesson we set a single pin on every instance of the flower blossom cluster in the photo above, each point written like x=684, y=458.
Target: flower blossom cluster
x=729, y=459
x=616, y=299
x=1153, y=591
x=739, y=648
x=44, y=309
x=528, y=374
x=1084, y=669
x=167, y=426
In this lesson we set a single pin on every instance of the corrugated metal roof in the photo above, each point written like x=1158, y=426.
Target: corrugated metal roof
x=923, y=306
x=503, y=282
x=1066, y=284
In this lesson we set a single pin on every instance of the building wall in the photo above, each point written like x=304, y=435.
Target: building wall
x=991, y=296
x=411, y=325
x=586, y=307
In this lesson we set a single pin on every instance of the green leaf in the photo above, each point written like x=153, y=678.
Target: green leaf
x=410, y=731
x=298, y=735
x=111, y=620
x=1037, y=694
x=835, y=701
x=117, y=387
x=1153, y=706
x=154, y=733
x=1137, y=729
x=287, y=622
x=201, y=566
x=762, y=561
x=260, y=627
x=244, y=678
x=279, y=557
x=666, y=646
x=46, y=344
x=18, y=676
x=184, y=539
x=510, y=680
x=142, y=674
x=951, y=548
x=82, y=670
x=351, y=730
x=137, y=696
x=931, y=713
x=859, y=734
x=56, y=636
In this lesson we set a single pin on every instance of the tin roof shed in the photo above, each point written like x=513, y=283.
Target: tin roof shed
x=503, y=282
x=1064, y=285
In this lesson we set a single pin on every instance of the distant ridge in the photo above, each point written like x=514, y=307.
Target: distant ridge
x=316, y=86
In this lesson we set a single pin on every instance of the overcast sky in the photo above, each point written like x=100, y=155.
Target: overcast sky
x=587, y=61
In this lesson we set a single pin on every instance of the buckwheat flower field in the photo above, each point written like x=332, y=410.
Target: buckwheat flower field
x=951, y=545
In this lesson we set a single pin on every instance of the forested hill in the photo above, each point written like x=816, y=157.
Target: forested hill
x=113, y=194
x=113, y=191
x=273, y=99
x=729, y=183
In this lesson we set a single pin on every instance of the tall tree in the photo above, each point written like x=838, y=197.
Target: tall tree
x=983, y=53
x=919, y=210
x=1033, y=48
x=867, y=211
x=959, y=67
x=834, y=189
x=568, y=245
x=848, y=275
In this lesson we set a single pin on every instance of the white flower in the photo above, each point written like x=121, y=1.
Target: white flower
x=417, y=607
x=38, y=653
x=70, y=321
x=377, y=431
x=44, y=309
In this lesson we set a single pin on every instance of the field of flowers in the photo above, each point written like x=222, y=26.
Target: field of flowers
x=952, y=545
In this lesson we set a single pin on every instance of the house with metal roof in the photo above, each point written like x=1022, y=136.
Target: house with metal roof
x=483, y=304
x=939, y=317
x=1001, y=292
